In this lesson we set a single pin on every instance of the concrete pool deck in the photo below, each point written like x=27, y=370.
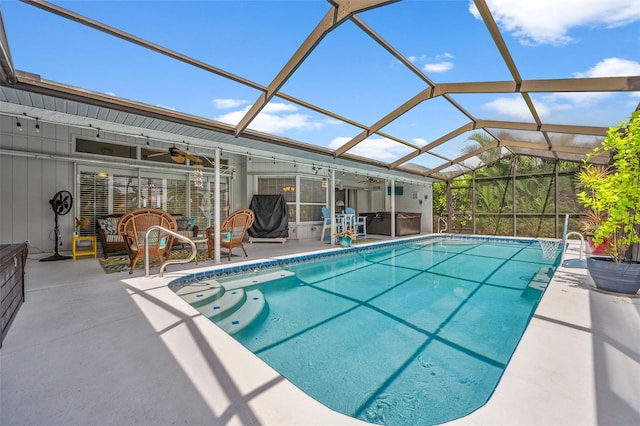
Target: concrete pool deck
x=95, y=348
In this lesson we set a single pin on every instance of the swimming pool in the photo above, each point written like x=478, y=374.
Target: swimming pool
x=413, y=333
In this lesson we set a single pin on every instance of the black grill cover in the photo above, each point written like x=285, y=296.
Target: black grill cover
x=271, y=217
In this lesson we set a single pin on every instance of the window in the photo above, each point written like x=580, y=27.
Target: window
x=116, y=191
x=312, y=196
x=280, y=185
x=125, y=193
x=93, y=198
x=202, y=203
x=104, y=148
x=176, y=201
x=151, y=193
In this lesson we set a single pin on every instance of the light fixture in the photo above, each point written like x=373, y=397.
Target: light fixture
x=288, y=188
x=18, y=124
x=325, y=182
x=98, y=134
x=37, y=126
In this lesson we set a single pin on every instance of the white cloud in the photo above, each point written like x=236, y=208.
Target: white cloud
x=545, y=105
x=227, y=103
x=276, y=118
x=612, y=67
x=438, y=63
x=375, y=148
x=445, y=55
x=549, y=21
x=438, y=67
x=276, y=107
x=580, y=99
x=516, y=107
x=609, y=67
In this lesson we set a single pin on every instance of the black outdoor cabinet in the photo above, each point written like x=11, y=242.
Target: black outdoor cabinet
x=12, y=262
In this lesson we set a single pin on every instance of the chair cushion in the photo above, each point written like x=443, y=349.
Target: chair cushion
x=153, y=239
x=191, y=222
x=108, y=226
x=113, y=238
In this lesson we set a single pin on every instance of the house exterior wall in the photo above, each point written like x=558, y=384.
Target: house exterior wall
x=42, y=163
x=28, y=183
x=29, y=179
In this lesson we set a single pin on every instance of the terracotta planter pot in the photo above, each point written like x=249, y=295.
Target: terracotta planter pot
x=616, y=277
x=599, y=249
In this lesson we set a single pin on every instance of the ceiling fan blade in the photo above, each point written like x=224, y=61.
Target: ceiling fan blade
x=178, y=159
x=156, y=154
x=187, y=155
x=194, y=159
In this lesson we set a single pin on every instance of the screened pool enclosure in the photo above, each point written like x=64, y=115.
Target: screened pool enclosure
x=518, y=196
x=497, y=117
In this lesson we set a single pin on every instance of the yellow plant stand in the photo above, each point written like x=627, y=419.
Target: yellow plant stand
x=94, y=246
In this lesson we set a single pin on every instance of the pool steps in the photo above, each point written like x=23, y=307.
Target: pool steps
x=224, y=306
x=245, y=314
x=255, y=279
x=201, y=293
x=233, y=308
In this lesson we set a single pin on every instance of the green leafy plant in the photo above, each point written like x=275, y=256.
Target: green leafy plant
x=591, y=219
x=613, y=193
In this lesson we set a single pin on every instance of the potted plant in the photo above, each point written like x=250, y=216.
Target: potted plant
x=613, y=193
x=345, y=237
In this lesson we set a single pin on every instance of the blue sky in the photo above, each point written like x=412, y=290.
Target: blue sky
x=348, y=73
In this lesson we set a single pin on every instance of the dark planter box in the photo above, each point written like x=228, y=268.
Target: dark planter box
x=379, y=223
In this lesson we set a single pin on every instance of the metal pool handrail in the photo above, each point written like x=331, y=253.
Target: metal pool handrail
x=442, y=220
x=194, y=249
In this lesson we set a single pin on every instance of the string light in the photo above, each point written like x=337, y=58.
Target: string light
x=315, y=168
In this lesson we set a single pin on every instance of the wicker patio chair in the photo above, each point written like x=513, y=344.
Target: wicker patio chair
x=235, y=225
x=133, y=225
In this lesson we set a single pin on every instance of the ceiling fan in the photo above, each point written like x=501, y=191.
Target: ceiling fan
x=177, y=155
x=371, y=180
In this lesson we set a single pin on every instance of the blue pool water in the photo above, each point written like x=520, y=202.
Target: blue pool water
x=418, y=333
